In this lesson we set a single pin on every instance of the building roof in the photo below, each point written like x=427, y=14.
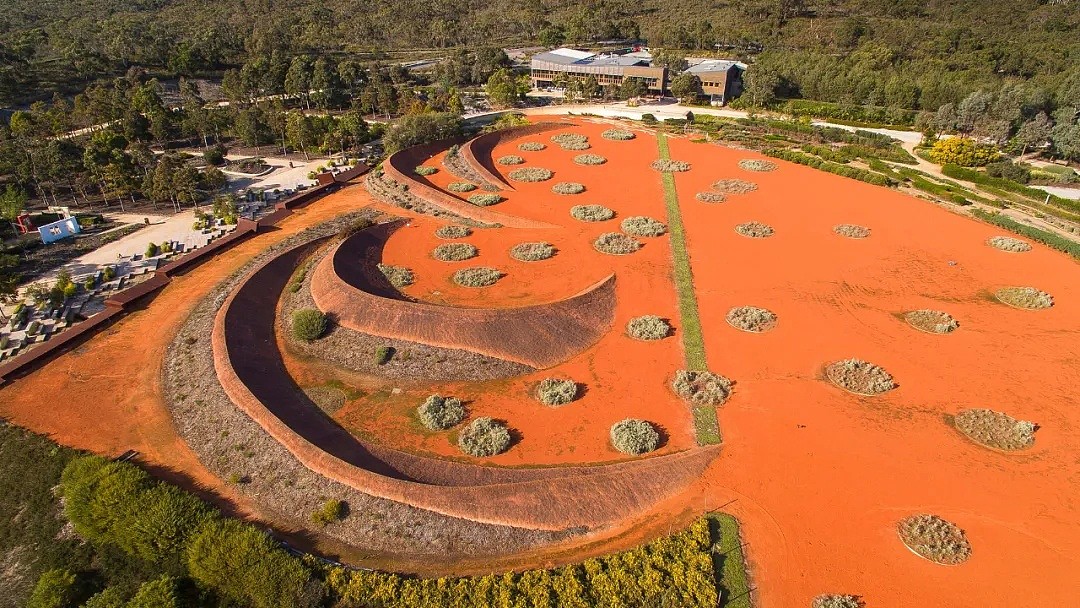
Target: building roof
x=712, y=65
x=564, y=56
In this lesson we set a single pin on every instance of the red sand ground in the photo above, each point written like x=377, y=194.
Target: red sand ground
x=623, y=377
x=817, y=476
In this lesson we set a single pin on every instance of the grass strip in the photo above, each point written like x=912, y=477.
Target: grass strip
x=729, y=561
x=706, y=426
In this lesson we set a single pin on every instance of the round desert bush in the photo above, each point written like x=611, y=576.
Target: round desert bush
x=751, y=318
x=734, y=186
x=454, y=252
x=860, y=377
x=399, y=276
x=648, y=327
x=531, y=146
x=616, y=243
x=640, y=225
x=633, y=436
x=710, y=197
x=477, y=276
x=485, y=200
x=618, y=134
x=484, y=437
x=836, y=601
x=934, y=538
x=757, y=165
x=571, y=141
x=589, y=159
x=568, y=188
x=308, y=324
x=852, y=231
x=461, y=187
x=439, y=413
x=932, y=321
x=701, y=387
x=591, y=213
x=1024, y=297
x=532, y=252
x=1008, y=243
x=510, y=159
x=453, y=232
x=670, y=166
x=996, y=429
x=422, y=170
x=754, y=230
x=530, y=174
x=556, y=391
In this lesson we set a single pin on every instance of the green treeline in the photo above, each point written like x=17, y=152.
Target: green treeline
x=150, y=544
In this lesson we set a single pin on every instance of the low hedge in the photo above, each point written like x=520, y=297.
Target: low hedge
x=978, y=177
x=843, y=170
x=1036, y=234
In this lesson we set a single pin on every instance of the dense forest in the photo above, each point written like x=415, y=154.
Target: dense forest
x=904, y=53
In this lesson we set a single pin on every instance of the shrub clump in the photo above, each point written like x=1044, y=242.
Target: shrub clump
x=932, y=321
x=591, y=213
x=1008, y=243
x=399, y=276
x=757, y=165
x=751, y=318
x=1024, y=297
x=860, y=377
x=734, y=186
x=589, y=159
x=532, y=252
x=556, y=391
x=934, y=538
x=665, y=165
x=996, y=429
x=485, y=200
x=477, y=276
x=308, y=324
x=484, y=437
x=852, y=231
x=453, y=232
x=616, y=243
x=618, y=134
x=648, y=327
x=836, y=601
x=640, y=225
x=754, y=230
x=511, y=159
x=571, y=141
x=331, y=511
x=530, y=174
x=568, y=188
x=461, y=187
x=701, y=387
x=383, y=354
x=438, y=413
x=710, y=197
x=531, y=146
x=633, y=436
x=454, y=252
x=422, y=170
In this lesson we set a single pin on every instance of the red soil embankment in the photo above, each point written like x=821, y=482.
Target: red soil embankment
x=253, y=375
x=348, y=285
x=477, y=152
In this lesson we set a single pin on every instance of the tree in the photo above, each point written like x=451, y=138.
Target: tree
x=298, y=79
x=760, y=85
x=590, y=88
x=632, y=87
x=420, y=129
x=672, y=59
x=685, y=86
x=54, y=589
x=1034, y=132
x=504, y=89
x=12, y=202
x=1066, y=140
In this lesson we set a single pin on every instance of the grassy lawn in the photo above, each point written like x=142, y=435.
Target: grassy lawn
x=728, y=561
x=705, y=424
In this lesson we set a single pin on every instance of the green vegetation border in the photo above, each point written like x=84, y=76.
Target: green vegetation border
x=706, y=426
x=1049, y=239
x=729, y=561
